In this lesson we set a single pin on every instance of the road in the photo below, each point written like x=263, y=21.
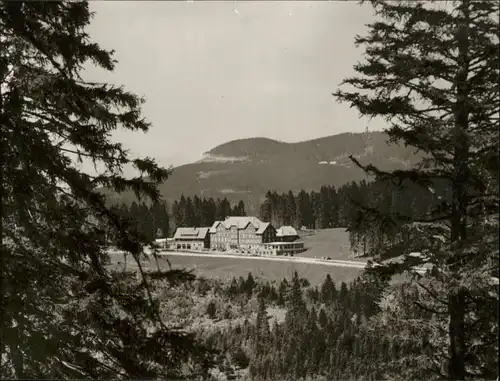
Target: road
x=118, y=257
x=314, y=261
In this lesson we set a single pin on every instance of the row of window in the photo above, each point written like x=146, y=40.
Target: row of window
x=234, y=231
x=241, y=235
x=188, y=246
x=224, y=239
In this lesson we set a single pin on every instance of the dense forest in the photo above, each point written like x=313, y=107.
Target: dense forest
x=330, y=332
x=332, y=207
x=344, y=207
x=327, y=208
x=157, y=221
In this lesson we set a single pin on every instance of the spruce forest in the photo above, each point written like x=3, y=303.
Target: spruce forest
x=326, y=208
x=429, y=69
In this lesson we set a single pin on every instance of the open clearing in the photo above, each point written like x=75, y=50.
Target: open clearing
x=234, y=267
x=333, y=243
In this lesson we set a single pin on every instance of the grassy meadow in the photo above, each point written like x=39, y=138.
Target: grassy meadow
x=224, y=268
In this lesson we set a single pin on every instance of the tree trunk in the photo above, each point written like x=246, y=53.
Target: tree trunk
x=456, y=302
x=456, y=329
x=16, y=350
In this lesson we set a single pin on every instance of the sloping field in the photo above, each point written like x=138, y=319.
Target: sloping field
x=272, y=270
x=229, y=267
x=333, y=243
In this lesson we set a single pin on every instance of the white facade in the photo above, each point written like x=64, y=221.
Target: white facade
x=191, y=238
x=164, y=243
x=284, y=248
x=189, y=245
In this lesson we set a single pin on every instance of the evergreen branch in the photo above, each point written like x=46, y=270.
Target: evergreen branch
x=81, y=153
x=432, y=293
x=416, y=177
x=428, y=309
x=391, y=218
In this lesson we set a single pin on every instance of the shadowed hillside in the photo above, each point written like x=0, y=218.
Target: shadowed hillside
x=247, y=168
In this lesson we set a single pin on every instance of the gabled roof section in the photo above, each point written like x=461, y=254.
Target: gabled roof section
x=214, y=227
x=286, y=231
x=262, y=228
x=191, y=233
x=241, y=223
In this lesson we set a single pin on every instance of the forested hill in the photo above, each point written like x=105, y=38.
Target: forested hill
x=246, y=169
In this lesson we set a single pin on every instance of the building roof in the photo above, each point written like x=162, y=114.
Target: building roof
x=286, y=231
x=262, y=227
x=241, y=223
x=191, y=233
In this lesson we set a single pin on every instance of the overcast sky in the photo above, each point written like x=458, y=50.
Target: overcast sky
x=212, y=72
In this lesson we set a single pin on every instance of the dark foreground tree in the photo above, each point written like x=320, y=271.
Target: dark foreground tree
x=64, y=312
x=432, y=72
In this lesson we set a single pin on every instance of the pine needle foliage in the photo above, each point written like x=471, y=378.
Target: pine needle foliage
x=431, y=70
x=65, y=312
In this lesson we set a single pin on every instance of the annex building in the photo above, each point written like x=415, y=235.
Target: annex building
x=191, y=238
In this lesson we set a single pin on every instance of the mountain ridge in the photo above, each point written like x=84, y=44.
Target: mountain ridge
x=245, y=169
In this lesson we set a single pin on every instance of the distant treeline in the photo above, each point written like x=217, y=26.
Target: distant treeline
x=341, y=207
x=156, y=221
x=152, y=221
x=203, y=211
x=329, y=207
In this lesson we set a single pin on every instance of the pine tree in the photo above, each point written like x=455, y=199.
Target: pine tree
x=334, y=205
x=325, y=208
x=322, y=318
x=328, y=291
x=161, y=219
x=317, y=207
x=189, y=213
x=297, y=310
x=181, y=220
x=265, y=212
x=261, y=329
x=432, y=72
x=212, y=310
x=208, y=213
x=343, y=298
x=241, y=208
x=198, y=212
x=249, y=285
x=176, y=215
x=64, y=312
x=290, y=210
x=276, y=209
x=303, y=211
x=147, y=221
x=282, y=291
x=223, y=209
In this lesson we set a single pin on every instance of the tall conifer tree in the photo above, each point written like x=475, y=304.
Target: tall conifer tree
x=432, y=72
x=64, y=312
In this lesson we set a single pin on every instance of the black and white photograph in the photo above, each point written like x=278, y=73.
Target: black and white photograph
x=249, y=190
